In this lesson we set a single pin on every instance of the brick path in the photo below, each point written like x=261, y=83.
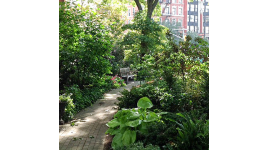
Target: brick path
x=89, y=130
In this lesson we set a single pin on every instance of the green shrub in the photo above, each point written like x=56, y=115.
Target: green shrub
x=193, y=133
x=162, y=133
x=77, y=96
x=178, y=131
x=130, y=98
x=127, y=122
x=81, y=99
x=139, y=146
x=70, y=107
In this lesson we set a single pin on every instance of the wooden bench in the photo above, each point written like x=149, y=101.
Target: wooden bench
x=126, y=74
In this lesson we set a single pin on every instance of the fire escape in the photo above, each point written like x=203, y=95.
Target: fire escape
x=164, y=10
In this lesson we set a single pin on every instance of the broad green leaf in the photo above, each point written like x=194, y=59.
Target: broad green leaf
x=145, y=103
x=143, y=127
x=117, y=141
x=123, y=128
x=151, y=117
x=133, y=115
x=134, y=123
x=112, y=131
x=129, y=137
x=113, y=123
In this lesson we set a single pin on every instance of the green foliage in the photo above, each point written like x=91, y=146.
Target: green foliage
x=138, y=146
x=129, y=99
x=65, y=98
x=181, y=131
x=70, y=107
x=144, y=36
x=82, y=98
x=127, y=122
x=193, y=134
x=117, y=82
x=84, y=47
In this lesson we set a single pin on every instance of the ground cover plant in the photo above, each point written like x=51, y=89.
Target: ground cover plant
x=127, y=122
x=118, y=81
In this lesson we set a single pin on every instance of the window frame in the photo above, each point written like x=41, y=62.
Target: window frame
x=180, y=11
x=174, y=7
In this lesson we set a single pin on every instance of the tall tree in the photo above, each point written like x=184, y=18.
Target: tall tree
x=151, y=4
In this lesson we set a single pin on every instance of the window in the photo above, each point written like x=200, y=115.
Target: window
x=191, y=7
x=206, y=9
x=133, y=11
x=167, y=1
x=173, y=22
x=206, y=19
x=180, y=11
x=167, y=20
x=191, y=28
x=174, y=1
x=128, y=21
x=179, y=23
x=167, y=10
x=195, y=18
x=207, y=29
x=180, y=1
x=160, y=1
x=174, y=11
x=161, y=20
x=191, y=18
x=129, y=12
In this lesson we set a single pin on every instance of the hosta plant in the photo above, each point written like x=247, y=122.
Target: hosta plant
x=127, y=122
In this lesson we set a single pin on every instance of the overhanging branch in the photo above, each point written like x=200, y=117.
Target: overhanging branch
x=138, y=4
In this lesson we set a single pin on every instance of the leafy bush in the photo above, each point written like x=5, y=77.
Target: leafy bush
x=84, y=47
x=128, y=122
x=193, y=134
x=178, y=131
x=81, y=99
x=130, y=98
x=70, y=107
x=139, y=146
x=117, y=82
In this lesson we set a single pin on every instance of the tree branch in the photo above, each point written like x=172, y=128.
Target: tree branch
x=138, y=4
x=155, y=3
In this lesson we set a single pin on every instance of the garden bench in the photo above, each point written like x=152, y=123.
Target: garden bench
x=126, y=74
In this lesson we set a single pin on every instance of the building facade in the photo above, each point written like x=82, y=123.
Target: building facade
x=174, y=15
x=181, y=16
x=198, y=17
x=131, y=11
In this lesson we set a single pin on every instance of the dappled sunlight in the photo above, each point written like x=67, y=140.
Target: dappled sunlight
x=89, y=125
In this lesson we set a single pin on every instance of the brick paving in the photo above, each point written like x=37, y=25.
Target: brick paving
x=90, y=126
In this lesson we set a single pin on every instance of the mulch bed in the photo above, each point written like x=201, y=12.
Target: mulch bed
x=108, y=142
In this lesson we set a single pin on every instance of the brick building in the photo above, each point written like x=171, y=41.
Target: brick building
x=131, y=10
x=174, y=15
x=198, y=17
x=181, y=16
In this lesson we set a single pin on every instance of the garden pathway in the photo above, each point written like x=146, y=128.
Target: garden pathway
x=88, y=133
